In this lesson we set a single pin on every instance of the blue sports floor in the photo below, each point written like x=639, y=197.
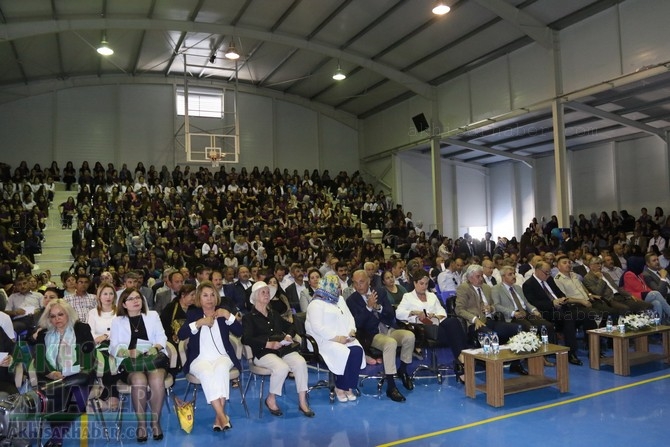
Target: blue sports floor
x=600, y=409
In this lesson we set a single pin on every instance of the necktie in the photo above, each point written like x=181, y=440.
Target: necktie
x=515, y=298
x=546, y=290
x=493, y=281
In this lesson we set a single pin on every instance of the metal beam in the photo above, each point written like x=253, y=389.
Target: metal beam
x=13, y=31
x=525, y=22
x=616, y=118
x=487, y=150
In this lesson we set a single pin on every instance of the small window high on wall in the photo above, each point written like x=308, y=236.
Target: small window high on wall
x=201, y=102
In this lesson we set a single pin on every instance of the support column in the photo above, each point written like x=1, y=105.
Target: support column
x=561, y=165
x=436, y=171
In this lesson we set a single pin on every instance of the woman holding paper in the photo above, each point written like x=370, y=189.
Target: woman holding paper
x=65, y=364
x=137, y=338
x=422, y=307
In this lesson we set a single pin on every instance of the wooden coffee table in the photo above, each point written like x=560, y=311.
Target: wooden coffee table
x=623, y=357
x=497, y=386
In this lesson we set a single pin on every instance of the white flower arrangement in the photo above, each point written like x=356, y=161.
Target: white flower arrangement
x=524, y=342
x=635, y=322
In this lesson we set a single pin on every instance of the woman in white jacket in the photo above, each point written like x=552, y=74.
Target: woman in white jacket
x=136, y=335
x=333, y=327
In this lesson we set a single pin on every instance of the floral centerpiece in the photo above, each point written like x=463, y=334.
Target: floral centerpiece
x=635, y=322
x=524, y=342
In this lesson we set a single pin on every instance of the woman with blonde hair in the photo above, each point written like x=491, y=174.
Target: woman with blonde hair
x=210, y=354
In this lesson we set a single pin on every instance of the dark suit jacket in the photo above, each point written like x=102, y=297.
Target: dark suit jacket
x=654, y=282
x=193, y=348
x=76, y=237
x=293, y=297
x=366, y=321
x=487, y=247
x=241, y=296
x=580, y=270
x=535, y=294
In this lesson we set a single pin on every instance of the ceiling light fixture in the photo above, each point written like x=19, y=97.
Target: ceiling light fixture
x=104, y=49
x=231, y=52
x=440, y=8
x=339, y=74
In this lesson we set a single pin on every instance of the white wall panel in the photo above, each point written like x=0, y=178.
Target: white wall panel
x=590, y=51
x=143, y=135
x=472, y=197
x=415, y=192
x=642, y=173
x=339, y=147
x=545, y=187
x=87, y=121
x=647, y=44
x=592, y=180
x=388, y=129
x=531, y=75
x=502, y=193
x=256, y=130
x=296, y=142
x=490, y=89
x=454, y=103
x=27, y=131
x=526, y=196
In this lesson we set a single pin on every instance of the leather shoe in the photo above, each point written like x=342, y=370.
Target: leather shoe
x=516, y=367
x=407, y=381
x=574, y=360
x=309, y=413
x=548, y=363
x=395, y=395
x=276, y=412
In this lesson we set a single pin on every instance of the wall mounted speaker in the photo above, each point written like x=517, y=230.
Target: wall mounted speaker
x=420, y=122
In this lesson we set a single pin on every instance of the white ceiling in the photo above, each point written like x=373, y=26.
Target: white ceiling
x=391, y=50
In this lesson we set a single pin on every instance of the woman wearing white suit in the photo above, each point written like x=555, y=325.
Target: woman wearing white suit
x=333, y=327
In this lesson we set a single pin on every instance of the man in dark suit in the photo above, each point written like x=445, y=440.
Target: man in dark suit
x=293, y=291
x=81, y=233
x=655, y=277
x=376, y=327
x=474, y=304
x=174, y=282
x=543, y=293
x=487, y=246
x=243, y=288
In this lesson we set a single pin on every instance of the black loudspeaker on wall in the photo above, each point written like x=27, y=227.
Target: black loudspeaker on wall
x=420, y=122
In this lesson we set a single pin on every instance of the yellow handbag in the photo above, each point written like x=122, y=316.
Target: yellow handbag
x=185, y=413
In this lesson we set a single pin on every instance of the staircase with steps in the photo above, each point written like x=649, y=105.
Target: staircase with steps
x=56, y=255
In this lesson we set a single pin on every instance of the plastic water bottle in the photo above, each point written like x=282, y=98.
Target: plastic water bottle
x=544, y=335
x=487, y=345
x=610, y=324
x=622, y=327
x=657, y=319
x=495, y=344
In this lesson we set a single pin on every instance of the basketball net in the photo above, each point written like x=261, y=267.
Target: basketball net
x=215, y=157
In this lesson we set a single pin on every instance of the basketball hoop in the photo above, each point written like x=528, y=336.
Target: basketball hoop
x=215, y=157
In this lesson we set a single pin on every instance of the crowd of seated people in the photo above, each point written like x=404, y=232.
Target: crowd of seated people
x=155, y=231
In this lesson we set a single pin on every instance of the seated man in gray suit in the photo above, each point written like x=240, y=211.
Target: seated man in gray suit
x=508, y=299
x=602, y=284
